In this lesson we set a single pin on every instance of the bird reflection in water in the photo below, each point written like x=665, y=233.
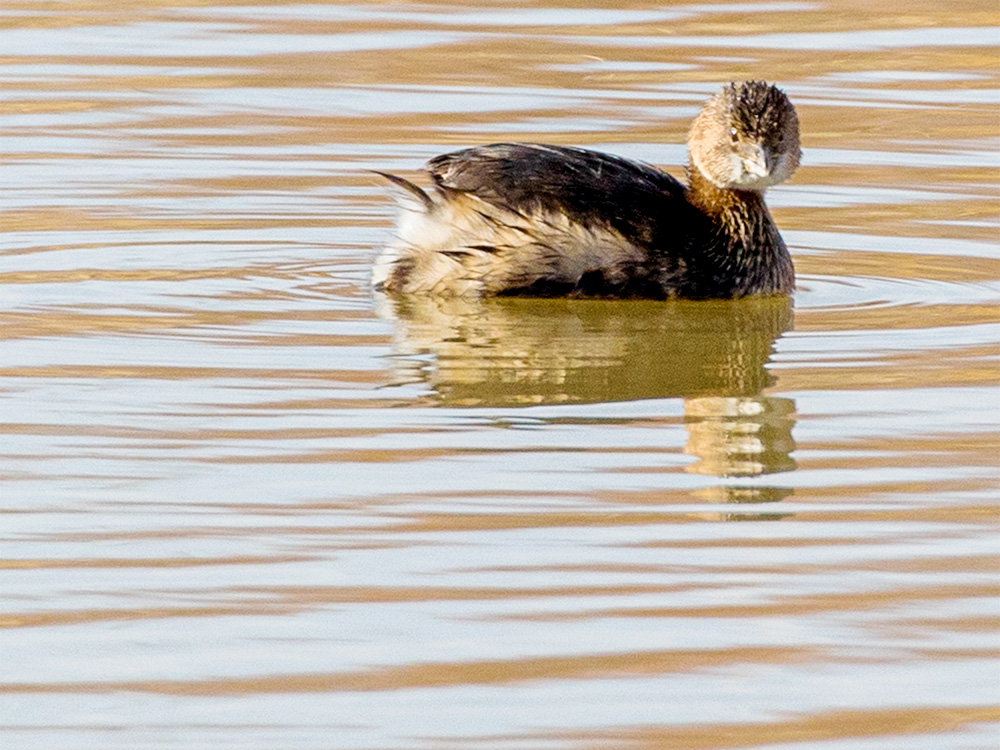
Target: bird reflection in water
x=712, y=354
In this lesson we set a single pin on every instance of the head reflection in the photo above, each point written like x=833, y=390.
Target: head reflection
x=507, y=352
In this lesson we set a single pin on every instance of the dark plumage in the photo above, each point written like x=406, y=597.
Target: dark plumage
x=515, y=218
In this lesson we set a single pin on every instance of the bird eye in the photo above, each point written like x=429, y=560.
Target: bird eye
x=734, y=136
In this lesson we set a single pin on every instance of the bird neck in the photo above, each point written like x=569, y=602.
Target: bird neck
x=746, y=242
x=737, y=211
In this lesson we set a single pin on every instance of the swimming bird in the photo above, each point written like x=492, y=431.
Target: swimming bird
x=537, y=219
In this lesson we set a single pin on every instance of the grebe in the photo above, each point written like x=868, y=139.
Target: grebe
x=534, y=219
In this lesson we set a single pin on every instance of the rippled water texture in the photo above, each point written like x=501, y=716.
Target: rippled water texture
x=247, y=504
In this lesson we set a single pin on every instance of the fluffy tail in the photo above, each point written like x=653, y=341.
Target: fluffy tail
x=397, y=257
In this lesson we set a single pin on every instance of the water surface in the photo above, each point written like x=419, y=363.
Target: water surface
x=247, y=503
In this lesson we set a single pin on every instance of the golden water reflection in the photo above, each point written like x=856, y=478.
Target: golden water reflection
x=712, y=354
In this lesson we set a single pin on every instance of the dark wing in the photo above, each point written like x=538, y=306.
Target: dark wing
x=592, y=188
